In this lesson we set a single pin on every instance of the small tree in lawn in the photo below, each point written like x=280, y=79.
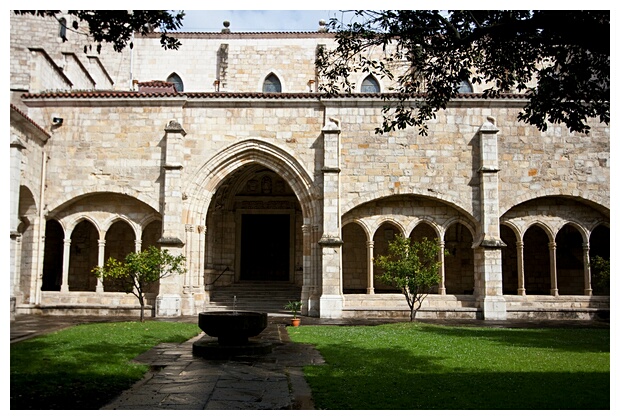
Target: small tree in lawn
x=411, y=266
x=139, y=270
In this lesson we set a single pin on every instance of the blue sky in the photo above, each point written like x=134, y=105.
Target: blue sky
x=256, y=20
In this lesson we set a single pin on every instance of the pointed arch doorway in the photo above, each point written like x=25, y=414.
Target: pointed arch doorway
x=255, y=228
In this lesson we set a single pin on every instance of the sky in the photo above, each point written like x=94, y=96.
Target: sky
x=256, y=20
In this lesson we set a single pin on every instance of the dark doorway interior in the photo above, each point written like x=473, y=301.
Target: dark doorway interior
x=265, y=243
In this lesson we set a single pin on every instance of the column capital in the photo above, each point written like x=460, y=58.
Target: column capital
x=330, y=241
x=332, y=126
x=175, y=127
x=489, y=126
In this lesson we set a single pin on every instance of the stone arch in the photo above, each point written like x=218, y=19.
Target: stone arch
x=598, y=200
x=460, y=207
x=79, y=193
x=470, y=227
x=381, y=220
x=542, y=225
x=70, y=223
x=361, y=224
x=115, y=218
x=424, y=221
x=422, y=230
x=277, y=158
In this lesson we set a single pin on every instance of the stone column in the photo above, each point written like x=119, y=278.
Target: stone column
x=520, y=270
x=170, y=287
x=370, y=246
x=487, y=252
x=194, y=294
x=314, y=289
x=552, y=269
x=587, y=273
x=100, y=263
x=15, y=182
x=332, y=299
x=442, y=269
x=66, y=253
x=307, y=286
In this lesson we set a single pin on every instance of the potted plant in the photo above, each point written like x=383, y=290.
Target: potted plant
x=294, y=306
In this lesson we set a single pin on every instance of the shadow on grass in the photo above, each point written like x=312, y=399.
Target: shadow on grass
x=92, y=376
x=589, y=340
x=463, y=369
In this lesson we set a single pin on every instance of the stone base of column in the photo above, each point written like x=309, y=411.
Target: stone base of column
x=331, y=306
x=310, y=300
x=494, y=308
x=168, y=305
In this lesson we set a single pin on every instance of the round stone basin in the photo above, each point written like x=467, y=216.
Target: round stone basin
x=232, y=327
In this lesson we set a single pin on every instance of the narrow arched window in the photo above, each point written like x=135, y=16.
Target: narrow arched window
x=62, y=30
x=370, y=85
x=272, y=84
x=178, y=83
x=465, y=87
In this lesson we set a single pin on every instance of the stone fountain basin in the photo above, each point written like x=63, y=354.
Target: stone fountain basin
x=232, y=327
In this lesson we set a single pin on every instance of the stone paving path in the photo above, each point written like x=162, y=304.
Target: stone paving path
x=182, y=381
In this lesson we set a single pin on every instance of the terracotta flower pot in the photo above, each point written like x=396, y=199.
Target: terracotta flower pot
x=295, y=322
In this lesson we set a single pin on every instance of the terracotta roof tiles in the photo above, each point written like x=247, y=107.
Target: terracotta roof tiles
x=238, y=95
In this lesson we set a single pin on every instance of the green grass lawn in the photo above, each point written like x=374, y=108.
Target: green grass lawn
x=420, y=366
x=84, y=367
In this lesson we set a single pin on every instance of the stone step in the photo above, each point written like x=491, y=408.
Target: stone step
x=267, y=297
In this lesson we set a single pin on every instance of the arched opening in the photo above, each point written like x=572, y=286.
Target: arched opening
x=254, y=229
x=569, y=261
x=151, y=234
x=465, y=87
x=386, y=233
x=52, y=259
x=536, y=261
x=83, y=257
x=28, y=225
x=177, y=81
x=510, y=274
x=354, y=259
x=370, y=85
x=120, y=240
x=599, y=247
x=272, y=84
x=62, y=28
x=459, y=269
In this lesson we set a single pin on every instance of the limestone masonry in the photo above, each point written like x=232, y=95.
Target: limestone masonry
x=224, y=152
